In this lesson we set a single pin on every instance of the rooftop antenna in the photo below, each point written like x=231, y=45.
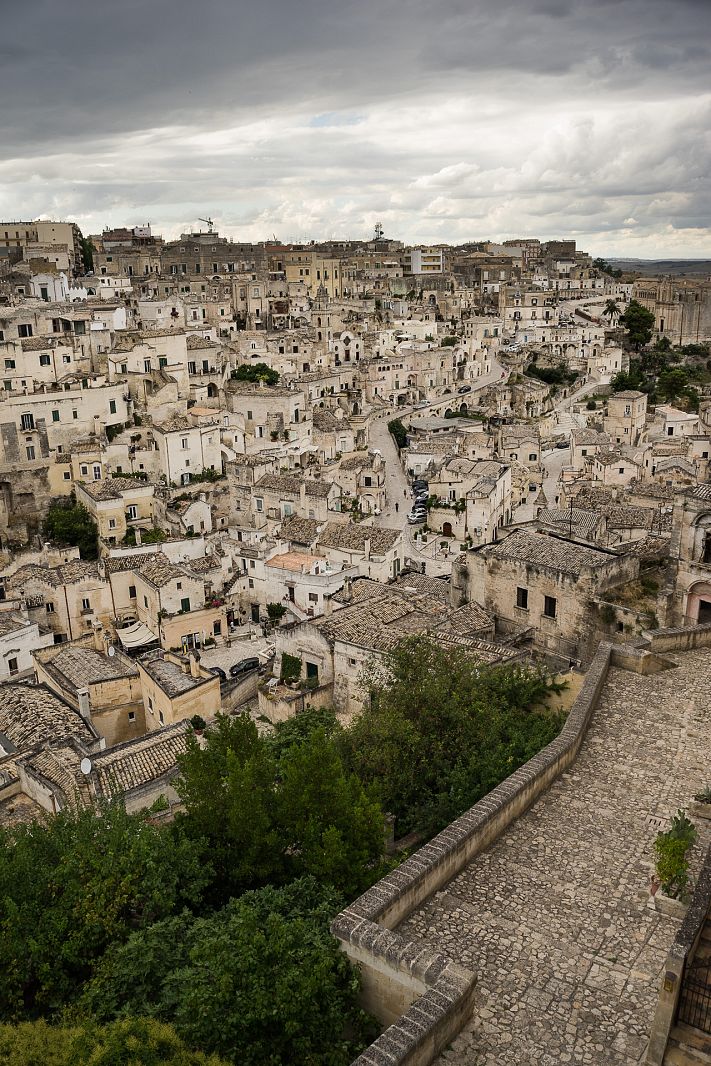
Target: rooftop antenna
x=208, y=222
x=379, y=231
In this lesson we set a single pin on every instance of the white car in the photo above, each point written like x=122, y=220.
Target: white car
x=416, y=517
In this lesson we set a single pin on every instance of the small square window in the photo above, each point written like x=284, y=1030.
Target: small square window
x=132, y=716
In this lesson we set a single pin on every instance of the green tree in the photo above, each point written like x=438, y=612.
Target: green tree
x=261, y=981
x=673, y=384
x=128, y=1042
x=639, y=323
x=266, y=814
x=69, y=523
x=398, y=432
x=256, y=372
x=87, y=254
x=441, y=730
x=73, y=886
x=611, y=309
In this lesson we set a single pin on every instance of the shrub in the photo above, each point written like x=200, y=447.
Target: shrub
x=398, y=432
x=607, y=613
x=671, y=848
x=276, y=611
x=704, y=796
x=591, y=405
x=290, y=668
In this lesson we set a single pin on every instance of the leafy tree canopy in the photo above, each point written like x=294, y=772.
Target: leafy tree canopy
x=398, y=432
x=70, y=524
x=278, y=814
x=260, y=981
x=639, y=323
x=72, y=886
x=256, y=372
x=442, y=730
x=129, y=1042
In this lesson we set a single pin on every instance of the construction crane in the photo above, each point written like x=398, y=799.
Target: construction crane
x=208, y=222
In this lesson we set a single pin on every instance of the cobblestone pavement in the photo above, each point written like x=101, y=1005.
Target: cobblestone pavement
x=556, y=917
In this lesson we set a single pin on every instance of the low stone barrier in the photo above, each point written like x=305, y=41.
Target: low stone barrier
x=422, y=995
x=680, y=954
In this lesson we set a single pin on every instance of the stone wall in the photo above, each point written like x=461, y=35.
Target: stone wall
x=422, y=995
x=680, y=954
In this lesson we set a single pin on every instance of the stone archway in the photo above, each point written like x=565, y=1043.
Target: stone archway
x=447, y=529
x=698, y=604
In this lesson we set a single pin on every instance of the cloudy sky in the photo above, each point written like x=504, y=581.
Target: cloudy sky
x=447, y=120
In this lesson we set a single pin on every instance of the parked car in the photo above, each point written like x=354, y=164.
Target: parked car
x=245, y=666
x=420, y=483
x=422, y=497
x=416, y=517
x=562, y=444
x=463, y=389
x=218, y=672
x=421, y=404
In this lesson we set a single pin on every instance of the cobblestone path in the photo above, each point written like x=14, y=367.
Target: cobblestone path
x=556, y=918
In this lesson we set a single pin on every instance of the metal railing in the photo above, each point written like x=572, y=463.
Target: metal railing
x=695, y=997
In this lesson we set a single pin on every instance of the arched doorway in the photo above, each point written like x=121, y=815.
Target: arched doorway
x=698, y=604
x=447, y=529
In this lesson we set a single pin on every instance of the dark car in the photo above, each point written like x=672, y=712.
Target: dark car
x=245, y=666
x=464, y=388
x=419, y=484
x=218, y=672
x=562, y=444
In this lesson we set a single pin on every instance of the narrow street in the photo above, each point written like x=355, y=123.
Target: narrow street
x=398, y=487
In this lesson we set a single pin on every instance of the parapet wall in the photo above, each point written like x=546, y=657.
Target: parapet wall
x=423, y=995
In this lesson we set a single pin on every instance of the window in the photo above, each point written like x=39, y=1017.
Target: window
x=86, y=604
x=532, y=457
x=549, y=606
x=184, y=443
x=621, y=470
x=522, y=599
x=131, y=512
x=670, y=431
x=30, y=452
x=67, y=476
x=146, y=366
x=49, y=607
x=9, y=364
x=27, y=422
x=251, y=583
x=313, y=597
x=185, y=603
x=259, y=503
x=251, y=564
x=24, y=330
x=150, y=705
x=75, y=414
x=249, y=416
x=66, y=359
x=368, y=481
x=112, y=523
x=55, y=416
x=97, y=473
x=131, y=716
x=112, y=407
x=84, y=470
x=160, y=716
x=12, y=666
x=145, y=601
x=44, y=359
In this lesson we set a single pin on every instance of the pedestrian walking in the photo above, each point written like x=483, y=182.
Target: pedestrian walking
x=397, y=506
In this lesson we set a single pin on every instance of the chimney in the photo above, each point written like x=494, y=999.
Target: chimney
x=302, y=493
x=138, y=536
x=366, y=548
x=194, y=666
x=347, y=591
x=98, y=633
x=84, y=709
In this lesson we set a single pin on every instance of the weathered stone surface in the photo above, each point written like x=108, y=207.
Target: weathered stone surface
x=555, y=918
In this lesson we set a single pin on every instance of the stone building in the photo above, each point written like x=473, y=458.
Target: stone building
x=542, y=583
x=691, y=557
x=626, y=416
x=176, y=687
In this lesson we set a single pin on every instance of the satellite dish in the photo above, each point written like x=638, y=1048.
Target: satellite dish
x=111, y=652
x=85, y=766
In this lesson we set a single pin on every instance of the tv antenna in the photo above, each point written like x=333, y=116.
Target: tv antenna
x=379, y=231
x=208, y=222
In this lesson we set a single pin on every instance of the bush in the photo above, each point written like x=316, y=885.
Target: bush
x=671, y=848
x=704, y=796
x=290, y=668
x=591, y=405
x=256, y=372
x=607, y=614
x=276, y=611
x=398, y=432
x=69, y=523
x=127, y=1042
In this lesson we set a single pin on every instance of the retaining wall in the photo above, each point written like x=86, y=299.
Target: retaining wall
x=423, y=995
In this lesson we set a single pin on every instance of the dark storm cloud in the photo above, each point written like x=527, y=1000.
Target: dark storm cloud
x=303, y=113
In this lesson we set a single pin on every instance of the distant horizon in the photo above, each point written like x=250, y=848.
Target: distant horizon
x=492, y=116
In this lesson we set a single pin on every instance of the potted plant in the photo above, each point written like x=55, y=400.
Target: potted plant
x=199, y=724
x=672, y=865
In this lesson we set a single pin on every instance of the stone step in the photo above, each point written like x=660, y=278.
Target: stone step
x=688, y=1047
